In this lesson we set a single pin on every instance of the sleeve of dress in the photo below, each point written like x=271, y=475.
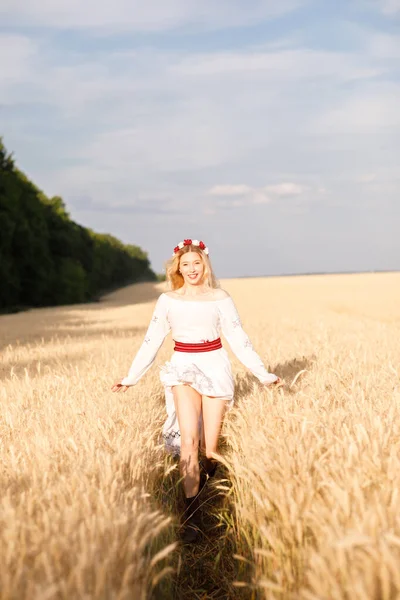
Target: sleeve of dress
x=158, y=329
x=240, y=343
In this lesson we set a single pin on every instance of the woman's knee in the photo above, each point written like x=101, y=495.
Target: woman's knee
x=189, y=443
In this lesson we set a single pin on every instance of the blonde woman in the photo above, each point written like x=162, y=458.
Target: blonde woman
x=198, y=380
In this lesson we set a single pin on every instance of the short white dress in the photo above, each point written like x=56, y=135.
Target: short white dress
x=209, y=373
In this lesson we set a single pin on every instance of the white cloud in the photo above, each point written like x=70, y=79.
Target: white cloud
x=260, y=197
x=390, y=7
x=174, y=122
x=236, y=196
x=156, y=15
x=382, y=45
x=365, y=178
x=233, y=196
x=285, y=189
x=278, y=65
x=373, y=109
x=230, y=190
x=153, y=130
x=161, y=112
x=17, y=53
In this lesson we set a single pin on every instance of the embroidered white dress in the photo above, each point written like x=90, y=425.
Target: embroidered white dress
x=209, y=373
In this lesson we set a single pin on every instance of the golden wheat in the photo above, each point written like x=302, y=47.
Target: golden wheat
x=313, y=470
x=316, y=468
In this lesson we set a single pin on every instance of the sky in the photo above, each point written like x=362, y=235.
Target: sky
x=270, y=130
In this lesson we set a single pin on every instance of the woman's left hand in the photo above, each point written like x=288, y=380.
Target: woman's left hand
x=118, y=387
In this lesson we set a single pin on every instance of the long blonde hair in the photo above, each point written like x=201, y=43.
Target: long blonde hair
x=175, y=279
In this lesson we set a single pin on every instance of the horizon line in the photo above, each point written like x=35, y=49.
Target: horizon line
x=311, y=273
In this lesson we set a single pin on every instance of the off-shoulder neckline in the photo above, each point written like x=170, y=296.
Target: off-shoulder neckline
x=196, y=301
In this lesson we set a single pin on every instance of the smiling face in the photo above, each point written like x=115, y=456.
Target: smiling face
x=191, y=267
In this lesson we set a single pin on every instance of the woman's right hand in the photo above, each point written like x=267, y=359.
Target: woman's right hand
x=277, y=383
x=118, y=387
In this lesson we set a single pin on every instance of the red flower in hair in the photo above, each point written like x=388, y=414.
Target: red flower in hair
x=202, y=245
x=187, y=242
x=176, y=249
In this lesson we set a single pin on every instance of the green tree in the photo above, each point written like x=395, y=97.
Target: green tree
x=46, y=258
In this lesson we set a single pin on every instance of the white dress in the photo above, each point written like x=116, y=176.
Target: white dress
x=209, y=373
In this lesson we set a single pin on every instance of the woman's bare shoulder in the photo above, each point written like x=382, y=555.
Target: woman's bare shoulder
x=215, y=294
x=173, y=294
x=220, y=294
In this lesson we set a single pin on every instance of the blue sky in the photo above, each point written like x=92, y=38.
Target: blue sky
x=271, y=130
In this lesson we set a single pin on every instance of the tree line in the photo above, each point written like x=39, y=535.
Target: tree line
x=48, y=259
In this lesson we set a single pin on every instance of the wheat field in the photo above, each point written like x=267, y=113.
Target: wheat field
x=306, y=502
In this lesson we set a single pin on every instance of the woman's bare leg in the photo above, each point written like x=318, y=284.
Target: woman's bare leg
x=188, y=409
x=213, y=415
x=202, y=438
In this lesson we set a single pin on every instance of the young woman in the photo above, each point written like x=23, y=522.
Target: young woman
x=198, y=379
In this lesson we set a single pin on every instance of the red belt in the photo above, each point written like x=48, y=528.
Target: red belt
x=202, y=347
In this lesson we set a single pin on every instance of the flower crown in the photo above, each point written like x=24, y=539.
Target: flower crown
x=198, y=243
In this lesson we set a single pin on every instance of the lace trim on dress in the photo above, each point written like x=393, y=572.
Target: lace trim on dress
x=172, y=442
x=171, y=434
x=190, y=374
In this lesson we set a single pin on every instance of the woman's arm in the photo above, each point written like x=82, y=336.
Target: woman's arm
x=158, y=329
x=240, y=343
